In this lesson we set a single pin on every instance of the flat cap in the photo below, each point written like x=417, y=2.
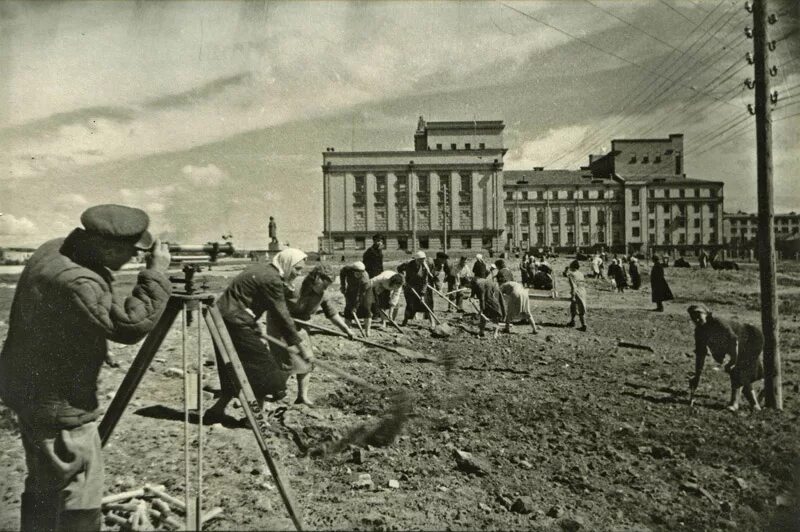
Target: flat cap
x=420, y=255
x=120, y=223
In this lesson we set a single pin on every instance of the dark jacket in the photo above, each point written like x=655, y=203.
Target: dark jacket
x=720, y=337
x=636, y=280
x=480, y=270
x=490, y=299
x=257, y=289
x=504, y=275
x=61, y=317
x=373, y=260
x=658, y=285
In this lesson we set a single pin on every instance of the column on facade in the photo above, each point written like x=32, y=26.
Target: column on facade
x=548, y=212
x=644, y=231
x=391, y=201
x=369, y=202
x=453, y=191
x=478, y=201
x=433, y=202
x=594, y=228
x=349, y=189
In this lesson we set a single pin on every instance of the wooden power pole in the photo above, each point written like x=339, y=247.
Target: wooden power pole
x=766, y=223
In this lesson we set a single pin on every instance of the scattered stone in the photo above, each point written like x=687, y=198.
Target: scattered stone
x=504, y=501
x=173, y=372
x=523, y=505
x=783, y=500
x=741, y=482
x=645, y=449
x=727, y=524
x=362, y=481
x=470, y=463
x=725, y=507
x=526, y=464
x=570, y=524
x=485, y=507
x=555, y=512
x=394, y=484
x=662, y=452
x=359, y=455
x=550, y=338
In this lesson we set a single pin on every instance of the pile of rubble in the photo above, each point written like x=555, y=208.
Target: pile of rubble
x=148, y=508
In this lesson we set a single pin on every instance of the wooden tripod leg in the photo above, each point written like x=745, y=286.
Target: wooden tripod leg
x=221, y=338
x=138, y=369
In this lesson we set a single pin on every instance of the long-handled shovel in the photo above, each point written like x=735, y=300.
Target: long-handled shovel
x=404, y=352
x=390, y=320
x=435, y=317
x=435, y=291
x=358, y=322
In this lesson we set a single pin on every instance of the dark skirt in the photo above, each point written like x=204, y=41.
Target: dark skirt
x=413, y=304
x=264, y=371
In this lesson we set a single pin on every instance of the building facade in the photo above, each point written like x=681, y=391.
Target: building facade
x=741, y=233
x=446, y=193
x=633, y=199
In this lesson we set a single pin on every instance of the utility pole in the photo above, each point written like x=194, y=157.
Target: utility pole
x=766, y=223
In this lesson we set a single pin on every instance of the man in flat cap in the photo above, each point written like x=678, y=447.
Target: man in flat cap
x=64, y=311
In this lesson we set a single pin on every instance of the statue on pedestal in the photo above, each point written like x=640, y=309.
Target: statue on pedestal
x=274, y=245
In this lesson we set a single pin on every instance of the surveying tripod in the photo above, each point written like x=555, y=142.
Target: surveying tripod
x=184, y=304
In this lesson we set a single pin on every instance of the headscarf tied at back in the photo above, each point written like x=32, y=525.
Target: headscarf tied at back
x=697, y=308
x=286, y=260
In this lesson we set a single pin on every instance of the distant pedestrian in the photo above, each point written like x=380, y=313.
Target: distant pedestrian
x=659, y=288
x=633, y=270
x=517, y=305
x=373, y=257
x=480, y=269
x=577, y=291
x=617, y=273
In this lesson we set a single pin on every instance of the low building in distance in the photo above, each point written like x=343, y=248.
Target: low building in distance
x=634, y=199
x=741, y=234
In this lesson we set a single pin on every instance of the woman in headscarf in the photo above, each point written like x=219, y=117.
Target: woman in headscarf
x=479, y=269
x=302, y=304
x=577, y=289
x=490, y=301
x=743, y=343
x=517, y=305
x=633, y=270
x=260, y=288
x=659, y=288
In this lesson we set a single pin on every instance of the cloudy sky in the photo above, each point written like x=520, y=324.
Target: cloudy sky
x=212, y=116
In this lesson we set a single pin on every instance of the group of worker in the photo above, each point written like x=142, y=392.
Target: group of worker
x=65, y=309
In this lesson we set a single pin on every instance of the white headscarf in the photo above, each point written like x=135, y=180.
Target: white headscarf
x=479, y=257
x=286, y=260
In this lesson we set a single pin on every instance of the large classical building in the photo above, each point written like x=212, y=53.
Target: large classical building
x=452, y=181
x=635, y=198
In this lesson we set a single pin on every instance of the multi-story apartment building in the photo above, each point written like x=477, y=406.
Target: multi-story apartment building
x=635, y=198
x=451, y=182
x=741, y=231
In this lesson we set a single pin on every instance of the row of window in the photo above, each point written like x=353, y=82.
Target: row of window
x=587, y=238
x=555, y=217
x=401, y=189
x=467, y=146
x=423, y=242
x=522, y=195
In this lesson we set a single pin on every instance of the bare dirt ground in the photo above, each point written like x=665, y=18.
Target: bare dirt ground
x=567, y=429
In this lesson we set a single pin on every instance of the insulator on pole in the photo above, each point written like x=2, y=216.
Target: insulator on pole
x=773, y=18
x=773, y=71
x=772, y=45
x=748, y=7
x=750, y=109
x=748, y=32
x=749, y=57
x=749, y=83
x=774, y=97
